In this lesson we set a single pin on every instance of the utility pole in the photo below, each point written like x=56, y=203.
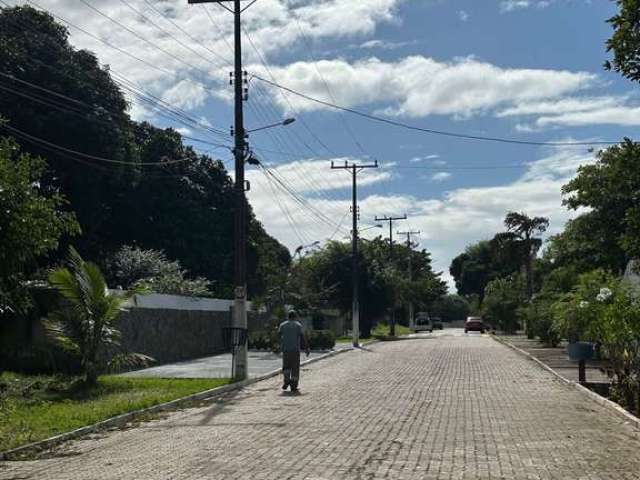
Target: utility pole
x=354, y=169
x=410, y=272
x=391, y=220
x=241, y=152
x=392, y=330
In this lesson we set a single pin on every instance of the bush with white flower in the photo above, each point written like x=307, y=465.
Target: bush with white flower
x=606, y=310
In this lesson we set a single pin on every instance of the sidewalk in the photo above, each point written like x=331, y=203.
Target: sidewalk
x=557, y=359
x=219, y=366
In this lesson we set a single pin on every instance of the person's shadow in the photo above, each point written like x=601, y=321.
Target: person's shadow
x=287, y=393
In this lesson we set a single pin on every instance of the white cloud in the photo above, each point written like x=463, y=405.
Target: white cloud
x=185, y=94
x=418, y=86
x=460, y=217
x=441, y=176
x=463, y=15
x=625, y=116
x=507, y=6
x=575, y=112
x=272, y=25
x=511, y=5
x=433, y=158
x=384, y=44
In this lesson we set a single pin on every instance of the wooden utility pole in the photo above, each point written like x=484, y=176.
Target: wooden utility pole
x=390, y=220
x=354, y=169
x=392, y=330
x=410, y=272
x=240, y=152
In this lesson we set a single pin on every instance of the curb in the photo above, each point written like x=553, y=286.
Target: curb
x=125, y=418
x=605, y=402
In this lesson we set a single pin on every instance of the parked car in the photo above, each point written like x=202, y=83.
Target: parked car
x=474, y=324
x=423, y=323
x=437, y=323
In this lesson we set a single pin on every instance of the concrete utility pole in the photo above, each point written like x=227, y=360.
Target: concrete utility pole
x=410, y=253
x=391, y=220
x=241, y=152
x=355, y=304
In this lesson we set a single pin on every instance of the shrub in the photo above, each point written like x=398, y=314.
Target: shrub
x=321, y=339
x=577, y=315
x=260, y=341
x=538, y=317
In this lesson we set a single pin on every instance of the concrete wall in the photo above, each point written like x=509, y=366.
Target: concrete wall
x=171, y=328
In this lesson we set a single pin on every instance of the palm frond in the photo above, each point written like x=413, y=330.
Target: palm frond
x=129, y=361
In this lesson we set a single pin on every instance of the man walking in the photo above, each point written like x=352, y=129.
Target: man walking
x=291, y=341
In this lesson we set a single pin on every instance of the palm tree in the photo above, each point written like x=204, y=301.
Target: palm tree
x=522, y=235
x=85, y=323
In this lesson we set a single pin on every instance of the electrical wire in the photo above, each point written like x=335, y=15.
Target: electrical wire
x=421, y=129
x=42, y=141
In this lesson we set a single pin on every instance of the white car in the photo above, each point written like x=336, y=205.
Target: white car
x=423, y=323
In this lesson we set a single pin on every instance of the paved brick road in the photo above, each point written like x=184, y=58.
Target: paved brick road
x=451, y=407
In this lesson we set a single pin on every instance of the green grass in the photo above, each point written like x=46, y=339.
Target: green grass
x=33, y=408
x=381, y=330
x=349, y=339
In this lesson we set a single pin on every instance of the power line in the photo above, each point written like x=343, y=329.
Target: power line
x=140, y=37
x=425, y=130
x=41, y=141
x=191, y=37
x=327, y=88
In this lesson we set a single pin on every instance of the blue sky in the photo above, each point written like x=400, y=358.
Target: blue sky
x=523, y=69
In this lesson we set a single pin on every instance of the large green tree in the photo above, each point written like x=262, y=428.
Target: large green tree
x=32, y=222
x=88, y=114
x=384, y=282
x=152, y=191
x=625, y=41
x=480, y=263
x=610, y=188
x=521, y=241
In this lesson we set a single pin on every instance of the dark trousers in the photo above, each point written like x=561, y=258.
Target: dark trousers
x=291, y=368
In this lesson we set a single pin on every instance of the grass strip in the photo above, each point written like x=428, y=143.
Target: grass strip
x=33, y=408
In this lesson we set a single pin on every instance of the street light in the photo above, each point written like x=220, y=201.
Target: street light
x=298, y=251
x=283, y=123
x=377, y=225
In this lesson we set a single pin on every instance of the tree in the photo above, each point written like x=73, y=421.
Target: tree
x=503, y=296
x=35, y=52
x=159, y=194
x=86, y=323
x=610, y=189
x=625, y=41
x=451, y=308
x=383, y=282
x=150, y=270
x=478, y=265
x=520, y=241
x=585, y=243
x=31, y=225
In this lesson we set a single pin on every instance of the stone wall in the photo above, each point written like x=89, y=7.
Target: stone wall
x=173, y=335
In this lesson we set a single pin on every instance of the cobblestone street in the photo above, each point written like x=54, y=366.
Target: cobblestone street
x=447, y=407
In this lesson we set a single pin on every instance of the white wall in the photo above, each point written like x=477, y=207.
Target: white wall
x=176, y=302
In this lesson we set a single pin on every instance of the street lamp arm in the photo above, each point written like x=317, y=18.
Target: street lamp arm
x=283, y=123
